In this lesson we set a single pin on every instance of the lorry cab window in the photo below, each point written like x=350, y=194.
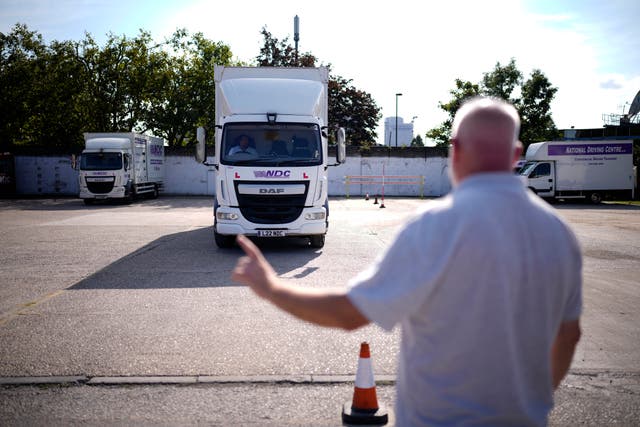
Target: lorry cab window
x=543, y=169
x=270, y=145
x=101, y=161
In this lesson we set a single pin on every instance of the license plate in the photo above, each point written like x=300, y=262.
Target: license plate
x=271, y=233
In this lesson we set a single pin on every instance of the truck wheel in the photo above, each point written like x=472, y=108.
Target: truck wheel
x=224, y=241
x=317, y=241
x=595, y=198
x=155, y=192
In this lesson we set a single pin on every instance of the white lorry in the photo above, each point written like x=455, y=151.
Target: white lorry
x=271, y=153
x=594, y=170
x=121, y=166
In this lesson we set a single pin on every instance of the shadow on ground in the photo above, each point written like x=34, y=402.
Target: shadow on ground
x=191, y=260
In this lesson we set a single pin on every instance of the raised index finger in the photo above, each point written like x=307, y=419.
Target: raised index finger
x=248, y=247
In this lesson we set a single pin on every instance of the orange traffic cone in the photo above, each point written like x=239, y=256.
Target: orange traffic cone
x=364, y=408
x=375, y=202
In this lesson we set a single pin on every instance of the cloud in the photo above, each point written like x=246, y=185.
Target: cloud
x=611, y=84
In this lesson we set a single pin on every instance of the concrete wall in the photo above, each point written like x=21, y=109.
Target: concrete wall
x=53, y=175
x=45, y=175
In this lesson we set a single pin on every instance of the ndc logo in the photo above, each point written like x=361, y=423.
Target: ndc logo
x=272, y=174
x=271, y=190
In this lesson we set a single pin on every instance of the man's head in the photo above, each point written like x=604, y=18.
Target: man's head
x=484, y=138
x=244, y=142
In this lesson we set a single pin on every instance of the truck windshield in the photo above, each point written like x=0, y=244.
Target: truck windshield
x=526, y=169
x=271, y=145
x=101, y=161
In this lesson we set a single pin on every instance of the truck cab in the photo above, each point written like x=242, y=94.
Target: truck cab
x=541, y=177
x=105, y=169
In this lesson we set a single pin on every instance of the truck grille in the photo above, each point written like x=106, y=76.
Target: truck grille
x=272, y=208
x=100, y=187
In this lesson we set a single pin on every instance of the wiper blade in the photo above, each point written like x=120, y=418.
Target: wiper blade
x=244, y=162
x=296, y=161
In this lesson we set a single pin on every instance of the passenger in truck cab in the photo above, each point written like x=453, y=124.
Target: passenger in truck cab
x=243, y=146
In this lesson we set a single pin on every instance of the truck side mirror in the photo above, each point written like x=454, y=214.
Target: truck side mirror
x=341, y=152
x=201, y=152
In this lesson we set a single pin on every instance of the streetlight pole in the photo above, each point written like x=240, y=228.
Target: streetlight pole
x=296, y=34
x=397, y=95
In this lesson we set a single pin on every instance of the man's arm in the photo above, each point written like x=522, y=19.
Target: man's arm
x=563, y=348
x=331, y=308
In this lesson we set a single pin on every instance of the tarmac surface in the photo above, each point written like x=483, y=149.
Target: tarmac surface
x=125, y=314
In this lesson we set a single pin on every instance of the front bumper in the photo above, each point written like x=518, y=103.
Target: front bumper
x=299, y=227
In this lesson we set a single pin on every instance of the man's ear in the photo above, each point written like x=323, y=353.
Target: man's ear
x=517, y=150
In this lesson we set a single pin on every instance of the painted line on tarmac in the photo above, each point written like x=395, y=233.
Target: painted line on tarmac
x=191, y=379
x=25, y=308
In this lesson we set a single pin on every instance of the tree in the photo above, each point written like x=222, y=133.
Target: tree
x=39, y=88
x=464, y=90
x=50, y=95
x=19, y=51
x=280, y=53
x=120, y=77
x=352, y=108
x=183, y=94
x=535, y=109
x=506, y=82
x=417, y=141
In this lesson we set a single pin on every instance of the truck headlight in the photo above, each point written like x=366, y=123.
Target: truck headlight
x=228, y=216
x=314, y=216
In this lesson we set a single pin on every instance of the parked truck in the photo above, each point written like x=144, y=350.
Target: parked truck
x=121, y=166
x=592, y=170
x=271, y=153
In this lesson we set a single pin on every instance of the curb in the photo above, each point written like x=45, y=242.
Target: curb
x=189, y=379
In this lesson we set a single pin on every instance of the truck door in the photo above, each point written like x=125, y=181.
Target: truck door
x=542, y=179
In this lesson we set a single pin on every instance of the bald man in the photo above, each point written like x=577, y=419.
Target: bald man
x=485, y=284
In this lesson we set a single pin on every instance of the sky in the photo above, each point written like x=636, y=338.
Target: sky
x=588, y=49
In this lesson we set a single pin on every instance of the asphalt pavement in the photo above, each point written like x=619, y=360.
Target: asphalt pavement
x=125, y=314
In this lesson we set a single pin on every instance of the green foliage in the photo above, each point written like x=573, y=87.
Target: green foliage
x=417, y=141
x=50, y=95
x=463, y=91
x=532, y=98
x=183, y=95
x=280, y=53
x=349, y=107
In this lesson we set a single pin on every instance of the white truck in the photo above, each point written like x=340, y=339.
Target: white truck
x=593, y=170
x=121, y=166
x=271, y=153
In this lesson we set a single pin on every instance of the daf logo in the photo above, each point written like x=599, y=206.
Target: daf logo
x=271, y=190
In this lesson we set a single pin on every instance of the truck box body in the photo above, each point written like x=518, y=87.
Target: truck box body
x=580, y=169
x=275, y=182
x=121, y=165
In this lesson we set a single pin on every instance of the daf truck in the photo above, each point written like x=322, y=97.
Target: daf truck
x=121, y=166
x=591, y=170
x=271, y=153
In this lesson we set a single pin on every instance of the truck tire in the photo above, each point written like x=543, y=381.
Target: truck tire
x=595, y=198
x=317, y=241
x=224, y=241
